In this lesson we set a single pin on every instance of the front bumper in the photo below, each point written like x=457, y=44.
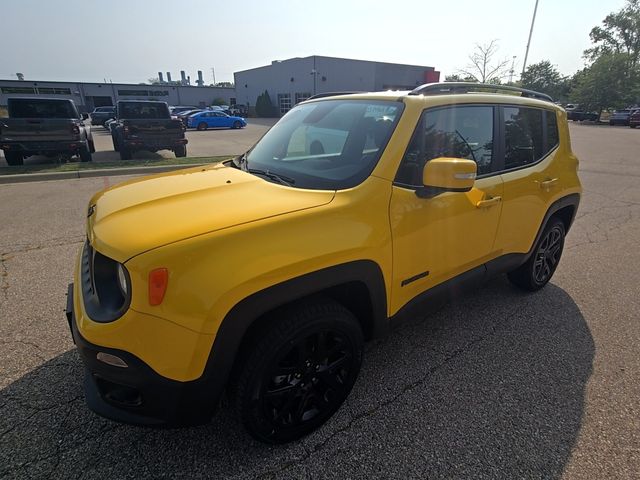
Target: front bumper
x=137, y=394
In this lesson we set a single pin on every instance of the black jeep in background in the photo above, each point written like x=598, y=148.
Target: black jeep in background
x=146, y=125
x=38, y=126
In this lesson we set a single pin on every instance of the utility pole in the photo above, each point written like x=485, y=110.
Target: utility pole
x=213, y=73
x=533, y=21
x=513, y=63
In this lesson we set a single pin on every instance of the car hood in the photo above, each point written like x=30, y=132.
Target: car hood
x=146, y=213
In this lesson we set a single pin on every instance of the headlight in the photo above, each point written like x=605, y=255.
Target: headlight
x=122, y=279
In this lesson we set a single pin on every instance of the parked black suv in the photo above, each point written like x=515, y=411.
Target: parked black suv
x=42, y=126
x=147, y=125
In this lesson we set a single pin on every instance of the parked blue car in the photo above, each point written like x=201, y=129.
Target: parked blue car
x=215, y=119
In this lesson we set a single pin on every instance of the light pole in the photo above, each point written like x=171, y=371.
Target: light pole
x=513, y=63
x=533, y=20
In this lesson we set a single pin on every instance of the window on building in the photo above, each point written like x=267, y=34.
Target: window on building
x=133, y=93
x=458, y=132
x=301, y=97
x=523, y=136
x=284, y=102
x=232, y=101
x=54, y=91
x=19, y=90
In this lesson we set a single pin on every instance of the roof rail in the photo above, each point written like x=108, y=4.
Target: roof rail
x=445, y=88
x=331, y=94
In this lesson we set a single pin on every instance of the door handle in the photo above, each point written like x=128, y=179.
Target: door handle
x=490, y=202
x=548, y=183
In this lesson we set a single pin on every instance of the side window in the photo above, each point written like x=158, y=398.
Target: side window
x=523, y=136
x=552, y=131
x=459, y=132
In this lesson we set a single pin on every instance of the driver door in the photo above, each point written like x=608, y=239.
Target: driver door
x=438, y=238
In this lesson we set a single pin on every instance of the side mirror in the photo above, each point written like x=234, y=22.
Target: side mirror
x=447, y=175
x=84, y=116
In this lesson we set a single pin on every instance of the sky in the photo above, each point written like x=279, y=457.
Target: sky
x=130, y=41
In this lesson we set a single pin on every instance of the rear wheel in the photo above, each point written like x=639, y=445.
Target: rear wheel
x=114, y=139
x=299, y=370
x=125, y=153
x=538, y=270
x=180, y=151
x=13, y=158
x=85, y=154
x=92, y=146
x=202, y=126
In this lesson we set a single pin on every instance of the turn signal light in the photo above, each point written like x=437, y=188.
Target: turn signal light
x=158, y=280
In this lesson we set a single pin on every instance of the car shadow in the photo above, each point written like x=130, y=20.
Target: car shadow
x=491, y=386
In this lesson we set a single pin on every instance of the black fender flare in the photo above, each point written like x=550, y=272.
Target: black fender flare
x=239, y=319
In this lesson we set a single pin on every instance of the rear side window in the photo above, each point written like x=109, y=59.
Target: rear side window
x=552, y=131
x=458, y=132
x=523, y=136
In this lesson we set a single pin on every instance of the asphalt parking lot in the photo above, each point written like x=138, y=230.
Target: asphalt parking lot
x=499, y=384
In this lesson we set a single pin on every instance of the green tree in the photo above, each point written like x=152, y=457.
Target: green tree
x=619, y=33
x=602, y=85
x=219, y=101
x=544, y=77
x=264, y=106
x=457, y=78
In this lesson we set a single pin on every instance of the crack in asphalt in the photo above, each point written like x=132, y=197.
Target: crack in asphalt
x=54, y=242
x=370, y=412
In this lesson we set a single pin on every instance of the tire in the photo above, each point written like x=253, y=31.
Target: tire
x=632, y=126
x=13, y=158
x=114, y=139
x=125, y=153
x=180, y=151
x=299, y=370
x=611, y=122
x=237, y=125
x=85, y=154
x=538, y=270
x=202, y=126
x=92, y=146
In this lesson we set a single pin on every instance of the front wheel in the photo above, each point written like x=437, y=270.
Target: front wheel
x=180, y=151
x=300, y=369
x=14, y=158
x=236, y=125
x=538, y=270
x=202, y=126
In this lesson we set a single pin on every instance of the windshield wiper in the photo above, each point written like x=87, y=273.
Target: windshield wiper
x=288, y=181
x=242, y=163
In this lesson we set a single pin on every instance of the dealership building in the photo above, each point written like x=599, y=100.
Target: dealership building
x=87, y=96
x=288, y=82
x=294, y=80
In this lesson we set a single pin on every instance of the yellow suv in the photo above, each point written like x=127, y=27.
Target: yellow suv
x=264, y=275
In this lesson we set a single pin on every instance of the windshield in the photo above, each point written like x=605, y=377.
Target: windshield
x=332, y=144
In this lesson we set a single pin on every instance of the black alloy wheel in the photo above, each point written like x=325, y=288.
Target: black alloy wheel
x=548, y=254
x=202, y=126
x=300, y=372
x=536, y=272
x=237, y=124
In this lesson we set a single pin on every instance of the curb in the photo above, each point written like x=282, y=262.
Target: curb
x=105, y=172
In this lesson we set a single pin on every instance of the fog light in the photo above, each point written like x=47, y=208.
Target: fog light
x=111, y=360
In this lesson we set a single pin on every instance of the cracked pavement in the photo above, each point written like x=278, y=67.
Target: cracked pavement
x=499, y=384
